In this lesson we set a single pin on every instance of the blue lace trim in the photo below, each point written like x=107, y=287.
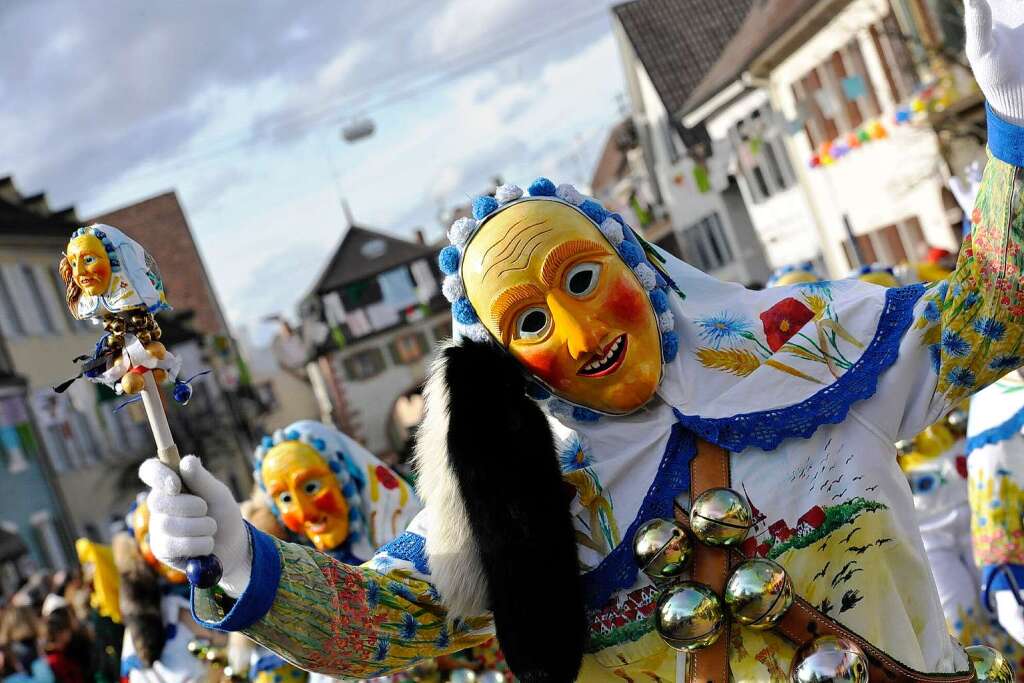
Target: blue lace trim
x=1001, y=432
x=618, y=570
x=768, y=428
x=409, y=547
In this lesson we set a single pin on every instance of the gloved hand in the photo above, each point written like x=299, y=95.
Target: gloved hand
x=1010, y=614
x=995, y=48
x=205, y=521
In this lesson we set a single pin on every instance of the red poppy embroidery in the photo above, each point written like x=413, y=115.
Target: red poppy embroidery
x=783, y=320
x=386, y=479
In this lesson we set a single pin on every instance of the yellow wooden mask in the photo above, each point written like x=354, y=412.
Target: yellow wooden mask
x=547, y=284
x=90, y=264
x=306, y=493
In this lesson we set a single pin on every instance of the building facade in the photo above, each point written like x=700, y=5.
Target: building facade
x=92, y=448
x=371, y=322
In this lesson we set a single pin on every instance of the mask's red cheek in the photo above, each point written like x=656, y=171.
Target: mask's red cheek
x=540, y=362
x=625, y=301
x=293, y=520
x=327, y=501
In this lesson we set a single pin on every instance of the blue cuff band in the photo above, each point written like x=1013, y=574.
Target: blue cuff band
x=1005, y=139
x=996, y=577
x=259, y=595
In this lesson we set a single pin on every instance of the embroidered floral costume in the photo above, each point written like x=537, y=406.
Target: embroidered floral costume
x=806, y=386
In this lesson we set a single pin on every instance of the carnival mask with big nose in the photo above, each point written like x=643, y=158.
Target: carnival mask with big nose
x=306, y=493
x=547, y=284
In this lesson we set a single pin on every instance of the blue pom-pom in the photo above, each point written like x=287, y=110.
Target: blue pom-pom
x=537, y=392
x=660, y=300
x=292, y=435
x=669, y=346
x=448, y=260
x=267, y=442
x=541, y=187
x=463, y=311
x=631, y=254
x=585, y=415
x=319, y=444
x=594, y=211
x=335, y=466
x=482, y=206
x=660, y=279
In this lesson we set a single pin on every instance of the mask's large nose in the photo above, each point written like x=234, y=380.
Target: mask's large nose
x=581, y=332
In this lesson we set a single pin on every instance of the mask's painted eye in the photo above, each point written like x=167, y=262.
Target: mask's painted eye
x=284, y=499
x=311, y=487
x=582, y=278
x=531, y=323
x=89, y=260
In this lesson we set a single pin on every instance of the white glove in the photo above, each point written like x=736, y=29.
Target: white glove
x=1011, y=615
x=183, y=525
x=995, y=48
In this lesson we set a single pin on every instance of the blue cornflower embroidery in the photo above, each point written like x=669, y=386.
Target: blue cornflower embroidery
x=931, y=312
x=954, y=345
x=990, y=328
x=971, y=299
x=372, y=594
x=383, y=646
x=443, y=639
x=1005, y=363
x=961, y=377
x=722, y=328
x=402, y=591
x=573, y=457
x=409, y=626
x=935, y=354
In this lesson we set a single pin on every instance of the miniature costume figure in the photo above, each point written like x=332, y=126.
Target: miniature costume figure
x=155, y=607
x=793, y=275
x=767, y=417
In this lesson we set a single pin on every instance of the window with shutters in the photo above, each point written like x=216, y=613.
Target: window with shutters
x=409, y=348
x=364, y=364
x=34, y=289
x=890, y=244
x=705, y=245
x=10, y=320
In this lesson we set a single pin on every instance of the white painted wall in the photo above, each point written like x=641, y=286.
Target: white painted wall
x=881, y=183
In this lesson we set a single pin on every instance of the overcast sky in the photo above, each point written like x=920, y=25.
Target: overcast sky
x=237, y=105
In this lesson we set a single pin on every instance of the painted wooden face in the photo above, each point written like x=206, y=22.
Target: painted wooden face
x=548, y=285
x=140, y=525
x=306, y=493
x=90, y=265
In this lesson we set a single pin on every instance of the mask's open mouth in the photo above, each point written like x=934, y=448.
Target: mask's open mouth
x=606, y=361
x=317, y=527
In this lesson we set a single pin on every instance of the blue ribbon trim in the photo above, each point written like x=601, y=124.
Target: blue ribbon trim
x=1001, y=577
x=767, y=429
x=1005, y=140
x=997, y=434
x=618, y=570
x=259, y=595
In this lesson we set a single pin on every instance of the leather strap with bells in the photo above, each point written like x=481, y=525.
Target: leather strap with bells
x=801, y=624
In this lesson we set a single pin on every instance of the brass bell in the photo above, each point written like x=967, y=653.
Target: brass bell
x=829, y=659
x=462, y=676
x=904, y=447
x=721, y=517
x=989, y=664
x=689, y=616
x=957, y=422
x=491, y=677
x=216, y=655
x=661, y=549
x=197, y=647
x=758, y=593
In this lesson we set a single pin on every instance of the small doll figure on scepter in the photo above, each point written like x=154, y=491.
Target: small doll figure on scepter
x=110, y=278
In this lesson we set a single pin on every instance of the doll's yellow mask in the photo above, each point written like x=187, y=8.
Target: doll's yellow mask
x=90, y=265
x=140, y=527
x=547, y=284
x=306, y=493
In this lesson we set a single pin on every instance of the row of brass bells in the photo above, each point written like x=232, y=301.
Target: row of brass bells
x=462, y=676
x=829, y=659
x=957, y=422
x=989, y=664
x=197, y=647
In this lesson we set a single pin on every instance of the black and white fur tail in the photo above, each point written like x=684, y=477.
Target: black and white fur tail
x=501, y=536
